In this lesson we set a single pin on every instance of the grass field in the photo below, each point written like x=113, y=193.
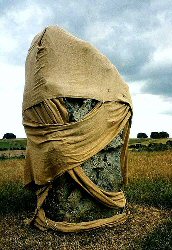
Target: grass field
x=12, y=144
x=149, y=196
x=21, y=143
x=146, y=141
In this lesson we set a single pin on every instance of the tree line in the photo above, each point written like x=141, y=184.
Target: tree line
x=154, y=135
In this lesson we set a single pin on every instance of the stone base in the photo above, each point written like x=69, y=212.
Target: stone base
x=66, y=200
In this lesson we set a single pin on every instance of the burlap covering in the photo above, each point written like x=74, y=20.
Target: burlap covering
x=60, y=65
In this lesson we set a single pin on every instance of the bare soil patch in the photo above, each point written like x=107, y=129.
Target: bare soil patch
x=142, y=222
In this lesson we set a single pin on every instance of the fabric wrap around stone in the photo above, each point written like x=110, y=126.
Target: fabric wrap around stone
x=60, y=65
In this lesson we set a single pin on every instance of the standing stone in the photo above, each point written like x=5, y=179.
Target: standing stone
x=66, y=200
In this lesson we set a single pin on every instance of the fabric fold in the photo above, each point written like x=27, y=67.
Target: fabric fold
x=54, y=148
x=59, y=65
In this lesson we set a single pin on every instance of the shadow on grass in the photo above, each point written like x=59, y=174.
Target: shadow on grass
x=160, y=238
x=157, y=193
x=15, y=198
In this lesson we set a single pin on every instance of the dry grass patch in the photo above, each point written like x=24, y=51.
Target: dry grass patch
x=11, y=170
x=151, y=165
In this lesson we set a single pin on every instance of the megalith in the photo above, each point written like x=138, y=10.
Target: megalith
x=77, y=114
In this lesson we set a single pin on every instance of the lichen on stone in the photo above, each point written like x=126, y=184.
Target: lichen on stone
x=78, y=107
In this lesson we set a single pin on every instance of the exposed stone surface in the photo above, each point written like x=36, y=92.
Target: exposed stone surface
x=78, y=107
x=66, y=200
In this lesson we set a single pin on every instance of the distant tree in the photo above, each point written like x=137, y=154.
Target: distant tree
x=163, y=134
x=159, y=135
x=9, y=136
x=154, y=135
x=142, y=135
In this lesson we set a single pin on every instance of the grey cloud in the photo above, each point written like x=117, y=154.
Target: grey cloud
x=130, y=45
x=6, y=5
x=159, y=87
x=159, y=83
x=159, y=79
x=167, y=112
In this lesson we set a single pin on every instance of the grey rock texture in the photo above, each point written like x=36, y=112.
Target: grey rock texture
x=66, y=200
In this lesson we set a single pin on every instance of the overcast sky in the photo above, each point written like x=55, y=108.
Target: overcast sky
x=135, y=35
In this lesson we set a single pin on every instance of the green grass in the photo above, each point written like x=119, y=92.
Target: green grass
x=146, y=141
x=157, y=192
x=14, y=198
x=160, y=238
x=12, y=144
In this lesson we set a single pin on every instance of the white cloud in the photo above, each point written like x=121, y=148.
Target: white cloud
x=136, y=87
x=30, y=13
x=163, y=56
x=148, y=115
x=99, y=31
x=7, y=41
x=18, y=26
x=11, y=94
x=12, y=77
x=11, y=112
